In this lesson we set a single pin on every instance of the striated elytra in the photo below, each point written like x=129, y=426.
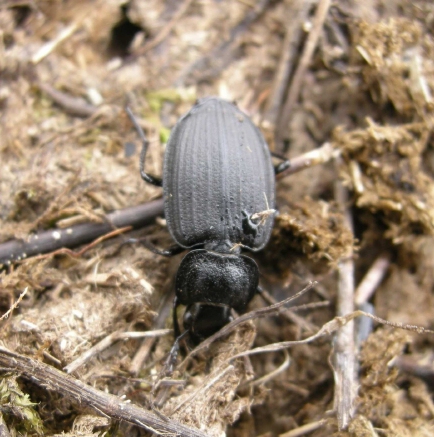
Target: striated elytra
x=219, y=196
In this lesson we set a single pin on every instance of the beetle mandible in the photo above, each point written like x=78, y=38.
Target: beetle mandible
x=219, y=188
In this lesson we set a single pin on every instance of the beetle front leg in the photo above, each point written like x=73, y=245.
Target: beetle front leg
x=158, y=182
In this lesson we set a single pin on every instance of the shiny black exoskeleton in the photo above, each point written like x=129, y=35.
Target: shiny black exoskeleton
x=219, y=195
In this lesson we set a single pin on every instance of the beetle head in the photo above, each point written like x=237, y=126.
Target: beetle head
x=210, y=284
x=205, y=320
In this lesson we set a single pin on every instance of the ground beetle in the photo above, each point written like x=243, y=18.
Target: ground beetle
x=219, y=188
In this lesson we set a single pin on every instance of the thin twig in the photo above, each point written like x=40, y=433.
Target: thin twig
x=321, y=155
x=329, y=328
x=107, y=342
x=296, y=83
x=264, y=379
x=289, y=314
x=372, y=279
x=305, y=429
x=49, y=241
x=87, y=396
x=14, y=305
x=71, y=104
x=343, y=357
x=48, y=47
x=162, y=310
x=208, y=383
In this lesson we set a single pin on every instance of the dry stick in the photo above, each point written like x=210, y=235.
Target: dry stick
x=272, y=374
x=206, y=385
x=305, y=429
x=159, y=321
x=289, y=315
x=14, y=305
x=298, y=12
x=166, y=29
x=321, y=155
x=329, y=328
x=103, y=403
x=343, y=357
x=48, y=241
x=294, y=90
x=108, y=341
x=372, y=279
x=71, y=104
x=48, y=47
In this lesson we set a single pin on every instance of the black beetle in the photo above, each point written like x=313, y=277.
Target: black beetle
x=219, y=195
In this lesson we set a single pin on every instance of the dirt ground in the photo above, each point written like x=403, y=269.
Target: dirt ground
x=354, y=77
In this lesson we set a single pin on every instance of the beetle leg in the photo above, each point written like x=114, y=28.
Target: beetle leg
x=282, y=166
x=176, y=329
x=173, y=250
x=145, y=176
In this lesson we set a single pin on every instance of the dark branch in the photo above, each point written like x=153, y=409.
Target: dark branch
x=49, y=241
x=110, y=405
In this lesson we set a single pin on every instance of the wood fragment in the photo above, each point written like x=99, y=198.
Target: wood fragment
x=108, y=341
x=309, y=159
x=343, y=358
x=103, y=403
x=72, y=105
x=372, y=279
x=14, y=305
x=163, y=310
x=47, y=48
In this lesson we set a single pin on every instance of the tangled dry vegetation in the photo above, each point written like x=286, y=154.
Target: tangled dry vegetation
x=356, y=76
